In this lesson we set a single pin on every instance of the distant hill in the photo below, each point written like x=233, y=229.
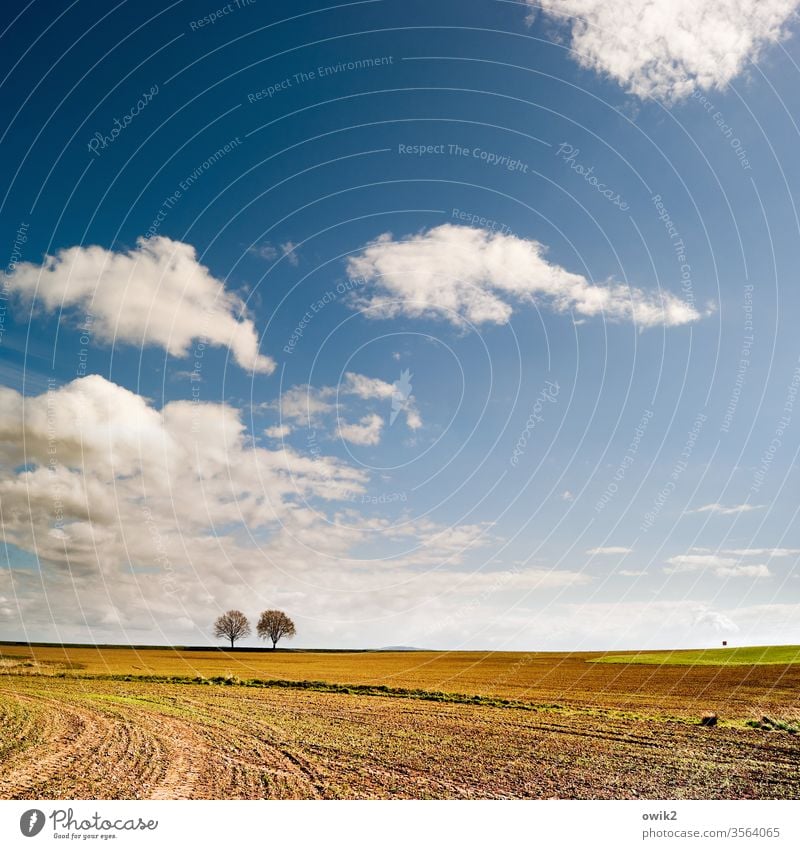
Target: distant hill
x=400, y=648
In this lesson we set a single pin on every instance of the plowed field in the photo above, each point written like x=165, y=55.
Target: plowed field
x=404, y=725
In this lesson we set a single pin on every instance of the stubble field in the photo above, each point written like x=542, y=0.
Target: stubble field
x=121, y=723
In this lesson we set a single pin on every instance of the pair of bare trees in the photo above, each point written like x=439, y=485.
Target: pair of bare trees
x=272, y=625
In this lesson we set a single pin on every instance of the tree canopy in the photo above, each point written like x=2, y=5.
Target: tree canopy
x=232, y=625
x=275, y=624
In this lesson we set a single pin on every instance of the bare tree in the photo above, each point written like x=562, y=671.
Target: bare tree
x=232, y=625
x=275, y=624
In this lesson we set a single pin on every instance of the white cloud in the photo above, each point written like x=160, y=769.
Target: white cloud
x=763, y=552
x=470, y=274
x=756, y=570
x=366, y=432
x=278, y=431
x=449, y=583
x=155, y=294
x=692, y=562
x=413, y=418
x=305, y=404
x=732, y=510
x=268, y=251
x=309, y=406
x=610, y=549
x=289, y=250
x=566, y=495
x=716, y=619
x=150, y=520
x=722, y=567
x=621, y=624
x=142, y=518
x=631, y=573
x=91, y=433
x=399, y=393
x=527, y=579
x=667, y=49
x=366, y=387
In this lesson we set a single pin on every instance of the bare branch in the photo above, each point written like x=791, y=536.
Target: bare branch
x=232, y=625
x=275, y=624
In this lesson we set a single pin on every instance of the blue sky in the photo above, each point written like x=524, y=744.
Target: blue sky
x=453, y=325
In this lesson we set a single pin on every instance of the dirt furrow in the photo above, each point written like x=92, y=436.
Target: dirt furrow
x=66, y=733
x=256, y=763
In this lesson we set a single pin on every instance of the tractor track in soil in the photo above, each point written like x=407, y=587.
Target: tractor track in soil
x=79, y=738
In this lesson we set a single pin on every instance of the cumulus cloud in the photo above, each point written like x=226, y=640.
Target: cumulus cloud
x=398, y=392
x=278, y=431
x=470, y=274
x=144, y=518
x=731, y=510
x=366, y=387
x=316, y=406
x=722, y=567
x=610, y=549
x=666, y=50
x=155, y=294
x=366, y=432
x=96, y=481
x=90, y=433
x=305, y=404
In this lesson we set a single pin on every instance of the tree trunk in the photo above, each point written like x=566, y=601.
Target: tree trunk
x=231, y=642
x=274, y=643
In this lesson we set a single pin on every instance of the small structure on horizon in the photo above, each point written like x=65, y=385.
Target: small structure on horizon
x=724, y=642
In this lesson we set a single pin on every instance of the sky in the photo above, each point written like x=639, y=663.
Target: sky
x=450, y=325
